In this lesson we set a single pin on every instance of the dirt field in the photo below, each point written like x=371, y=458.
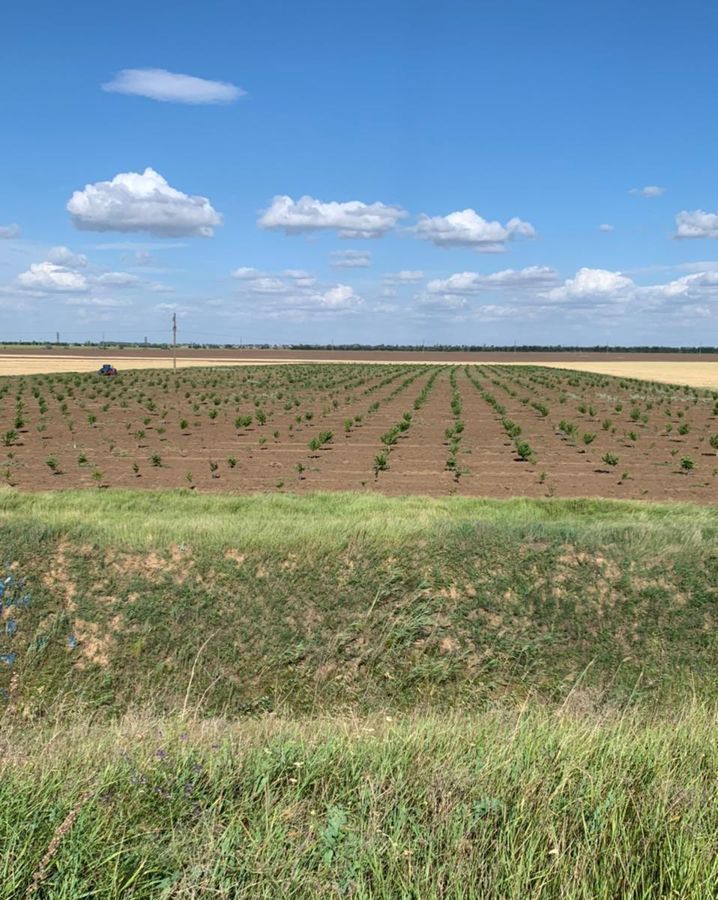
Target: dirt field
x=398, y=429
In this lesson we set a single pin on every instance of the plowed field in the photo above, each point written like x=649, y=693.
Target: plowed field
x=481, y=430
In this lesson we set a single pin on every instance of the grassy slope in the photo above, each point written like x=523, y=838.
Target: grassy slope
x=331, y=601
x=364, y=619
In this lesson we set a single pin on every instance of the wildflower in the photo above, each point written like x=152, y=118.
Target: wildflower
x=11, y=627
x=71, y=642
x=8, y=658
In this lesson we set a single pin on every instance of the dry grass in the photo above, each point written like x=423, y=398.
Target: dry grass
x=695, y=374
x=690, y=372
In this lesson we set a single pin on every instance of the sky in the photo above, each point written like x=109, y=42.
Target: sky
x=390, y=171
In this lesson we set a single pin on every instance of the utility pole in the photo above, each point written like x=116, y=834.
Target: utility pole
x=174, y=340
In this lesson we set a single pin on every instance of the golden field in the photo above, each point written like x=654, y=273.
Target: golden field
x=702, y=374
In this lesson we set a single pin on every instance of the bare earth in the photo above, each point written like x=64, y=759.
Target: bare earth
x=690, y=369
x=153, y=429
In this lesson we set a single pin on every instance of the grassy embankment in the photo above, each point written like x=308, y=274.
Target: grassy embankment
x=357, y=696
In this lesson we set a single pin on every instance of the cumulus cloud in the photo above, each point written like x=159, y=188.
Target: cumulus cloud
x=341, y=296
x=293, y=293
x=593, y=284
x=696, y=224
x=64, y=257
x=606, y=228
x=8, y=232
x=405, y=276
x=700, y=285
x=142, y=202
x=48, y=277
x=351, y=259
x=172, y=87
x=466, y=228
x=533, y=278
x=352, y=219
x=649, y=191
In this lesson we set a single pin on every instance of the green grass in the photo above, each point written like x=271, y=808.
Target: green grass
x=495, y=805
x=142, y=519
x=348, y=695
x=251, y=604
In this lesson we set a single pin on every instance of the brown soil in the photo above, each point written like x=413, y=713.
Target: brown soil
x=101, y=453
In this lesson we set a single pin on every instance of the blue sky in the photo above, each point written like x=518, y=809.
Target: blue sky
x=457, y=161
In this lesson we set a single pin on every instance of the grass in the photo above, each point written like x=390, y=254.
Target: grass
x=141, y=520
x=494, y=805
x=353, y=601
x=348, y=695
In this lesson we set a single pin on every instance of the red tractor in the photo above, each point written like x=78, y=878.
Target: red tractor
x=107, y=369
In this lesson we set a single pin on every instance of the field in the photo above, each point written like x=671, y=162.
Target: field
x=398, y=630
x=494, y=431
x=695, y=370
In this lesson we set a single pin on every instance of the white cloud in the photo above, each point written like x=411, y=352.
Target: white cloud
x=171, y=87
x=696, y=224
x=606, y=228
x=693, y=287
x=352, y=219
x=142, y=202
x=48, y=277
x=300, y=277
x=437, y=302
x=118, y=279
x=406, y=276
x=596, y=284
x=8, y=232
x=342, y=296
x=351, y=259
x=466, y=228
x=64, y=257
x=268, y=285
x=533, y=278
x=649, y=191
x=293, y=294
x=245, y=273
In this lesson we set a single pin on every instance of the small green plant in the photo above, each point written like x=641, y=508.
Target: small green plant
x=213, y=466
x=9, y=438
x=684, y=428
x=156, y=460
x=687, y=463
x=381, y=462
x=136, y=469
x=589, y=437
x=525, y=451
x=53, y=465
x=231, y=462
x=610, y=459
x=184, y=424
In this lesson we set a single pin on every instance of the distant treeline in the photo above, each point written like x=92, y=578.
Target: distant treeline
x=433, y=348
